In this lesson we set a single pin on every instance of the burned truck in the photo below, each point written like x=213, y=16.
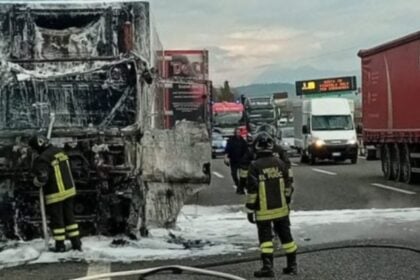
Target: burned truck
x=91, y=72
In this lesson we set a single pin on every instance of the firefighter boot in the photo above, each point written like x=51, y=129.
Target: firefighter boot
x=60, y=247
x=76, y=244
x=291, y=268
x=267, y=270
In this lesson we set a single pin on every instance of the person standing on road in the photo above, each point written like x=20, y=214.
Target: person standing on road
x=52, y=173
x=236, y=148
x=244, y=166
x=269, y=194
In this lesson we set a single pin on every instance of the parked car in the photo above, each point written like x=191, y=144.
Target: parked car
x=286, y=139
x=218, y=144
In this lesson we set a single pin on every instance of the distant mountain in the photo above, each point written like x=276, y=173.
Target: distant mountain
x=273, y=73
x=266, y=89
x=265, y=85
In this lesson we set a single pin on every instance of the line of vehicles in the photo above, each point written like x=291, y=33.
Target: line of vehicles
x=385, y=125
x=321, y=128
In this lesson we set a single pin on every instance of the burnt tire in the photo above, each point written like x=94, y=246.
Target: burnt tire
x=354, y=159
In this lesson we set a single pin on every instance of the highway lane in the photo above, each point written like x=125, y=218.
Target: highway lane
x=324, y=186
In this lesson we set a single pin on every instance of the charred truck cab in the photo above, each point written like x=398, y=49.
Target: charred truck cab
x=92, y=65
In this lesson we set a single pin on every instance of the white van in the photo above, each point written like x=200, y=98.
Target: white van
x=324, y=129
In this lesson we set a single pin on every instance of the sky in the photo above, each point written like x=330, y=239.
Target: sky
x=254, y=41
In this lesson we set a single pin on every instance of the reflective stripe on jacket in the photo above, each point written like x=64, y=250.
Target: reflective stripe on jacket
x=53, y=168
x=268, y=186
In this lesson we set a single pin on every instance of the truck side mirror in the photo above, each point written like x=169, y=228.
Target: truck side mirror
x=305, y=129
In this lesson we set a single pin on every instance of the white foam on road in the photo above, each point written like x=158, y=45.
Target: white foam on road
x=393, y=189
x=324, y=171
x=221, y=230
x=217, y=174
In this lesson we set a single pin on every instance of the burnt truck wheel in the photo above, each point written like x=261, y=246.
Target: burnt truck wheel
x=386, y=162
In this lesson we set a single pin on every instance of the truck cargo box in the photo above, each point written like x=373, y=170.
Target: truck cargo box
x=391, y=87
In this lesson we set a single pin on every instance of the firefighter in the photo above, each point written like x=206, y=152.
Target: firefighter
x=236, y=148
x=244, y=166
x=269, y=195
x=278, y=151
x=52, y=173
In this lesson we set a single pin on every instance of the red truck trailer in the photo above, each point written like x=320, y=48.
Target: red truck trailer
x=391, y=116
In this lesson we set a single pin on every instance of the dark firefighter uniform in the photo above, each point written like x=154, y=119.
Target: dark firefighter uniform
x=278, y=152
x=52, y=173
x=243, y=170
x=236, y=148
x=269, y=194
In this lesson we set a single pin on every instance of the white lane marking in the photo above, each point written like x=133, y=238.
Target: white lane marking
x=393, y=189
x=217, y=174
x=324, y=171
x=99, y=268
x=295, y=164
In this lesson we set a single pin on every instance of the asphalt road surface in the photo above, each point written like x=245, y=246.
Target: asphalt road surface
x=325, y=186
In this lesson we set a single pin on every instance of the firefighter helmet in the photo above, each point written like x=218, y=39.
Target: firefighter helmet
x=38, y=143
x=264, y=143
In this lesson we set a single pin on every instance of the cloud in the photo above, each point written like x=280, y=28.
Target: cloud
x=245, y=35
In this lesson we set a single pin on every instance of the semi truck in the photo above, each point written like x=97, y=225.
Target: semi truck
x=226, y=116
x=324, y=129
x=259, y=111
x=391, y=119
x=93, y=65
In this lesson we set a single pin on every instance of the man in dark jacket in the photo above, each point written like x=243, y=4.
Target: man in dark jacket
x=236, y=148
x=269, y=194
x=52, y=173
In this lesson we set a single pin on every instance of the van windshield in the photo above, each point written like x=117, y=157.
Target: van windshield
x=337, y=122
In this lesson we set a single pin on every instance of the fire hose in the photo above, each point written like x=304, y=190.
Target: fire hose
x=41, y=191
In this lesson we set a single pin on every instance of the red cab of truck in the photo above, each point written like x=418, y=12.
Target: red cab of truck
x=391, y=98
x=227, y=116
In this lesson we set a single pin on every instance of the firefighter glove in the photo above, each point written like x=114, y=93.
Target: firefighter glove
x=251, y=217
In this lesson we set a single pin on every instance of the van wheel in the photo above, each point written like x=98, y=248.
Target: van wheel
x=371, y=154
x=304, y=157
x=354, y=159
x=312, y=159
